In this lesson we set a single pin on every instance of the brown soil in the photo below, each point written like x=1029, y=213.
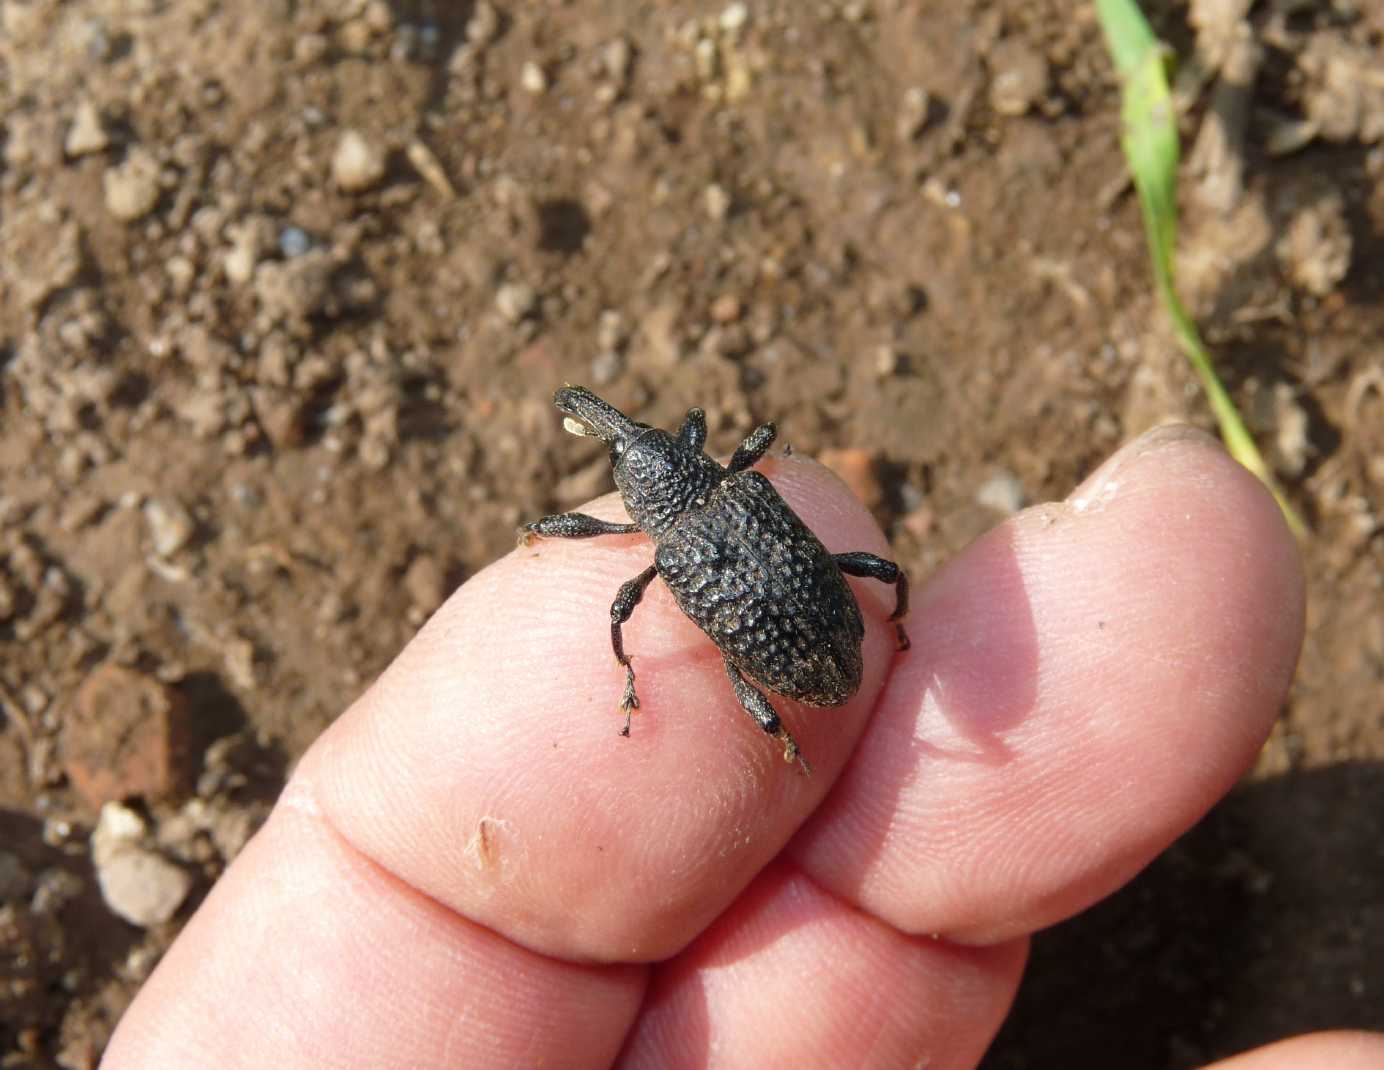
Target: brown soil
x=271, y=389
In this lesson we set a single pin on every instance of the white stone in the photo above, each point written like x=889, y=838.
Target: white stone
x=734, y=17
x=1002, y=493
x=87, y=134
x=358, y=164
x=532, y=78
x=140, y=885
x=515, y=300
x=132, y=188
x=170, y=527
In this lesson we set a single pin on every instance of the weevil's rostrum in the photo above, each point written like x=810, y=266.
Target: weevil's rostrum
x=738, y=561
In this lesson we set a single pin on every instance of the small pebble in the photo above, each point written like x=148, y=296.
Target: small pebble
x=310, y=48
x=425, y=582
x=355, y=36
x=1003, y=493
x=88, y=134
x=611, y=333
x=137, y=884
x=734, y=17
x=358, y=164
x=913, y=114
x=616, y=57
x=515, y=301
x=483, y=25
x=532, y=78
x=379, y=17
x=717, y=202
x=427, y=165
x=726, y=308
x=170, y=526
x=132, y=188
x=606, y=367
x=294, y=242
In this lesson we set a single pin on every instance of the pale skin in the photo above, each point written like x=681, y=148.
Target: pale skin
x=472, y=868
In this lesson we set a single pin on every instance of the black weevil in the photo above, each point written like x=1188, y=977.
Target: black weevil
x=738, y=561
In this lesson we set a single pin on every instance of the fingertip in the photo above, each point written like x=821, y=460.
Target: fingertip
x=1336, y=1050
x=1086, y=681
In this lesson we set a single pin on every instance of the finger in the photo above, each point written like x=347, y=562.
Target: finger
x=307, y=954
x=1318, y=1051
x=792, y=976
x=485, y=769
x=1087, y=681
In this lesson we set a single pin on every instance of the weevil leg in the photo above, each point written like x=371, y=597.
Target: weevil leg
x=756, y=443
x=876, y=568
x=692, y=433
x=757, y=706
x=571, y=526
x=631, y=591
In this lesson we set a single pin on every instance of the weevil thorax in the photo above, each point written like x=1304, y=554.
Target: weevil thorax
x=659, y=476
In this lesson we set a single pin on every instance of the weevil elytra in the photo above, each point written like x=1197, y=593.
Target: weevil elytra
x=738, y=560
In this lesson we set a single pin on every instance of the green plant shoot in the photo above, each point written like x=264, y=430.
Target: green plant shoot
x=1150, y=144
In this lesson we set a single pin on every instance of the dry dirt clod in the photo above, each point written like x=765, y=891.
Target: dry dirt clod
x=1316, y=249
x=124, y=737
x=294, y=291
x=1019, y=77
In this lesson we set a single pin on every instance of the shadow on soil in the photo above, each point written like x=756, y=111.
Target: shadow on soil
x=1265, y=921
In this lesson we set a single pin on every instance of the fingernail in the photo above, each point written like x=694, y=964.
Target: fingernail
x=1103, y=485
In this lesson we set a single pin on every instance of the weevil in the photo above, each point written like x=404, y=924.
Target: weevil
x=738, y=560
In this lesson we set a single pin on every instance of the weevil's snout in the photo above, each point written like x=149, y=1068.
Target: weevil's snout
x=586, y=414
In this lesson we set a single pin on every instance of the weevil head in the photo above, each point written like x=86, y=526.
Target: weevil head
x=659, y=476
x=589, y=416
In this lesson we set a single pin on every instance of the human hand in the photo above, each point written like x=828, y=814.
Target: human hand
x=472, y=868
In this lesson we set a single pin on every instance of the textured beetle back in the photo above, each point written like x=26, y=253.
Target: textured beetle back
x=660, y=479
x=766, y=590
